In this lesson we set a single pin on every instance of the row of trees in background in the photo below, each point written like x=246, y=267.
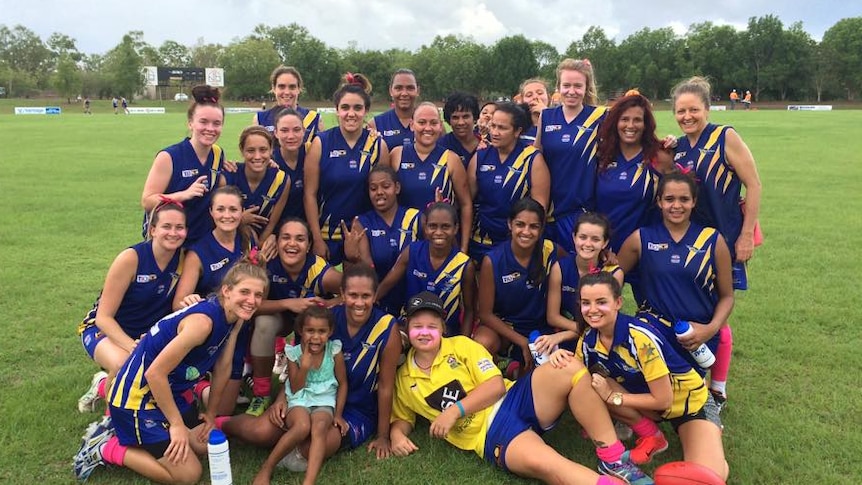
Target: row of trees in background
x=774, y=61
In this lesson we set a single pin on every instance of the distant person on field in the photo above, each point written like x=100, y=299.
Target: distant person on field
x=734, y=98
x=747, y=100
x=115, y=103
x=125, y=105
x=87, y=106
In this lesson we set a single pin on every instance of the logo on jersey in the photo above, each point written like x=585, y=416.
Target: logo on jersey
x=190, y=173
x=408, y=166
x=551, y=128
x=569, y=289
x=280, y=279
x=512, y=277
x=446, y=395
x=391, y=132
x=485, y=365
x=378, y=232
x=337, y=153
x=419, y=274
x=452, y=361
x=656, y=246
x=145, y=278
x=219, y=265
x=675, y=259
x=423, y=176
x=353, y=164
x=487, y=168
x=695, y=250
x=566, y=138
x=624, y=176
x=706, y=151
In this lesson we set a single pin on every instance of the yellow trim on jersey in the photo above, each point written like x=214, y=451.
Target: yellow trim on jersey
x=455, y=267
x=175, y=277
x=522, y=163
x=410, y=222
x=213, y=178
x=371, y=150
x=379, y=328
x=307, y=122
x=273, y=188
x=548, y=250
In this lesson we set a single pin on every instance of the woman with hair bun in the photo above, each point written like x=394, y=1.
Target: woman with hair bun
x=188, y=170
x=286, y=87
x=337, y=167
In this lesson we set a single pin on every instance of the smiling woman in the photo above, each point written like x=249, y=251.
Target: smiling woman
x=153, y=425
x=188, y=170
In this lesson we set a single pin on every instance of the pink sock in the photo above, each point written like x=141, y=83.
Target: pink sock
x=280, y=342
x=113, y=452
x=261, y=386
x=645, y=427
x=612, y=453
x=719, y=370
x=100, y=389
x=606, y=480
x=221, y=420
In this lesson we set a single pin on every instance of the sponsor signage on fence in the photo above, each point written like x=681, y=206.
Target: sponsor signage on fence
x=241, y=110
x=718, y=107
x=809, y=107
x=147, y=111
x=37, y=110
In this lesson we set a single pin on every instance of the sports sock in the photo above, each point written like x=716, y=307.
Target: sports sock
x=606, y=480
x=113, y=452
x=280, y=342
x=261, y=386
x=612, y=453
x=721, y=367
x=100, y=388
x=221, y=420
x=645, y=427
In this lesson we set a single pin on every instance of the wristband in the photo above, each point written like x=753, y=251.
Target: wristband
x=460, y=408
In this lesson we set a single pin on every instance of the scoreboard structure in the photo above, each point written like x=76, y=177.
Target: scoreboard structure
x=183, y=76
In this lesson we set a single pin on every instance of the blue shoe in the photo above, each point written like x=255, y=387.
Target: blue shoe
x=90, y=455
x=625, y=471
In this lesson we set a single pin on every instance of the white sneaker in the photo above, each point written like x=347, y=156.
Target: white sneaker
x=280, y=365
x=87, y=402
x=294, y=461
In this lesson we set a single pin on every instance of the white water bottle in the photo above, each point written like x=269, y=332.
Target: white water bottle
x=702, y=355
x=538, y=358
x=219, y=457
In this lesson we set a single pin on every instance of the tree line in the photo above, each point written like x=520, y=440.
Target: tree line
x=773, y=61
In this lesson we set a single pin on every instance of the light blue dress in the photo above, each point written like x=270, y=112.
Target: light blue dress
x=321, y=386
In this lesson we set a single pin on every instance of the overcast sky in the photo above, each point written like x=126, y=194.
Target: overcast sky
x=98, y=25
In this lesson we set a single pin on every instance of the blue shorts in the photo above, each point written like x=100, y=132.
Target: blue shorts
x=359, y=428
x=90, y=338
x=146, y=428
x=243, y=340
x=666, y=328
x=739, y=271
x=517, y=413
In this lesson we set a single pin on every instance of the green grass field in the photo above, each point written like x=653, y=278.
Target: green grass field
x=70, y=194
